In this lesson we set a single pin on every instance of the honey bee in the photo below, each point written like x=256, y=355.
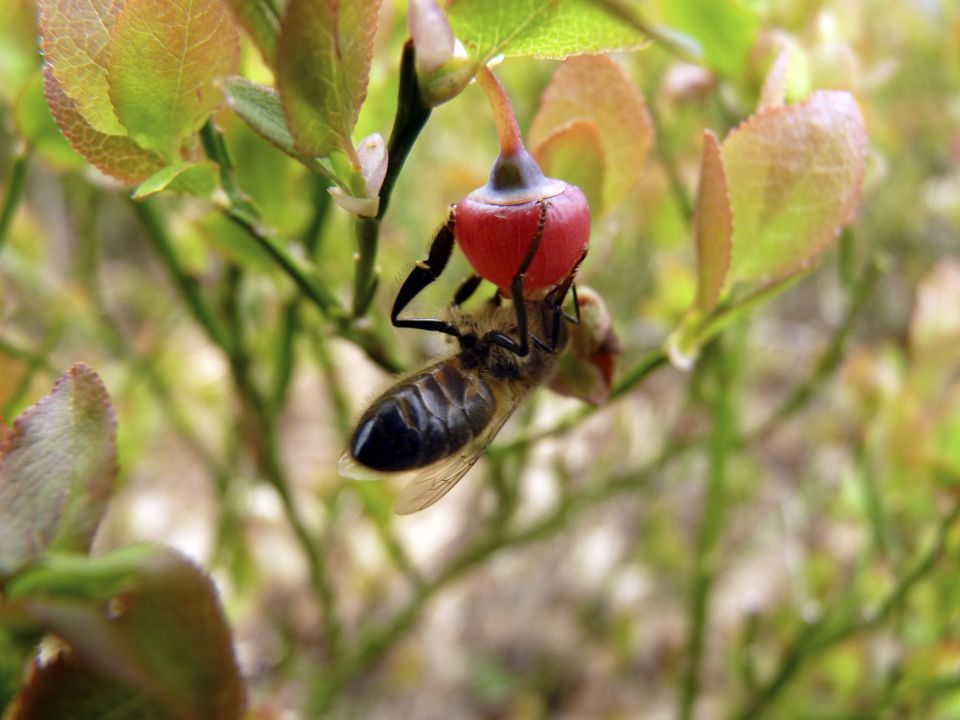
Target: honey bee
x=437, y=422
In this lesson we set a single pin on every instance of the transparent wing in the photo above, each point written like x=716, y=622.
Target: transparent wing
x=436, y=480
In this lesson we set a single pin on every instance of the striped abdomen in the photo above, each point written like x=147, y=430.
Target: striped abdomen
x=425, y=418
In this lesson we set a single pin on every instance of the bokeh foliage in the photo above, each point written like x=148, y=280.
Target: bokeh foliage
x=772, y=534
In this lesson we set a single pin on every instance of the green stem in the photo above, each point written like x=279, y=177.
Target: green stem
x=338, y=399
x=216, y=149
x=722, y=438
x=262, y=435
x=412, y=115
x=187, y=285
x=15, y=186
x=315, y=290
x=866, y=475
x=367, y=276
x=305, y=280
x=683, y=46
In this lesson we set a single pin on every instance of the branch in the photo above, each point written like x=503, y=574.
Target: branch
x=15, y=185
x=721, y=366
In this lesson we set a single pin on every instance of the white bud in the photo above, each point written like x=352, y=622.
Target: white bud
x=431, y=33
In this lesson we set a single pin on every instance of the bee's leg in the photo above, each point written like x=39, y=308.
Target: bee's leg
x=521, y=348
x=424, y=273
x=466, y=290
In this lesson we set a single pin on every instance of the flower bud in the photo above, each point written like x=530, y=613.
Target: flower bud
x=496, y=224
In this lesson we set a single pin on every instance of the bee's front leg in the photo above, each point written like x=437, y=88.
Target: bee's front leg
x=424, y=273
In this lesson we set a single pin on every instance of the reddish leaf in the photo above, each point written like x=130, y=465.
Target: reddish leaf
x=793, y=174
x=165, y=59
x=574, y=152
x=323, y=64
x=144, y=627
x=57, y=468
x=117, y=156
x=74, y=36
x=595, y=88
x=712, y=225
x=65, y=688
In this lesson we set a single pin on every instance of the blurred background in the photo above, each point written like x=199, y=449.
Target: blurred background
x=623, y=562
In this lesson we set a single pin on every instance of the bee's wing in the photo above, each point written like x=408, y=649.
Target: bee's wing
x=433, y=482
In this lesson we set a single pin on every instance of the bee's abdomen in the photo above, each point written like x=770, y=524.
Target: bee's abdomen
x=425, y=419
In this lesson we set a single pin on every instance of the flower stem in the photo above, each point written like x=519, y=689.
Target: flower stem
x=508, y=131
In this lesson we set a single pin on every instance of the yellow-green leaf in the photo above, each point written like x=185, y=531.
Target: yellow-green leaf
x=793, y=174
x=595, y=88
x=193, y=178
x=712, y=225
x=165, y=59
x=539, y=28
x=57, y=469
x=116, y=155
x=724, y=29
x=74, y=36
x=323, y=65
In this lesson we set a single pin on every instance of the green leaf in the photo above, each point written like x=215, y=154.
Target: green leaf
x=57, y=470
x=259, y=19
x=793, y=175
x=323, y=65
x=193, y=178
x=595, y=88
x=117, y=156
x=74, y=36
x=146, y=634
x=260, y=106
x=539, y=28
x=712, y=225
x=165, y=59
x=725, y=29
